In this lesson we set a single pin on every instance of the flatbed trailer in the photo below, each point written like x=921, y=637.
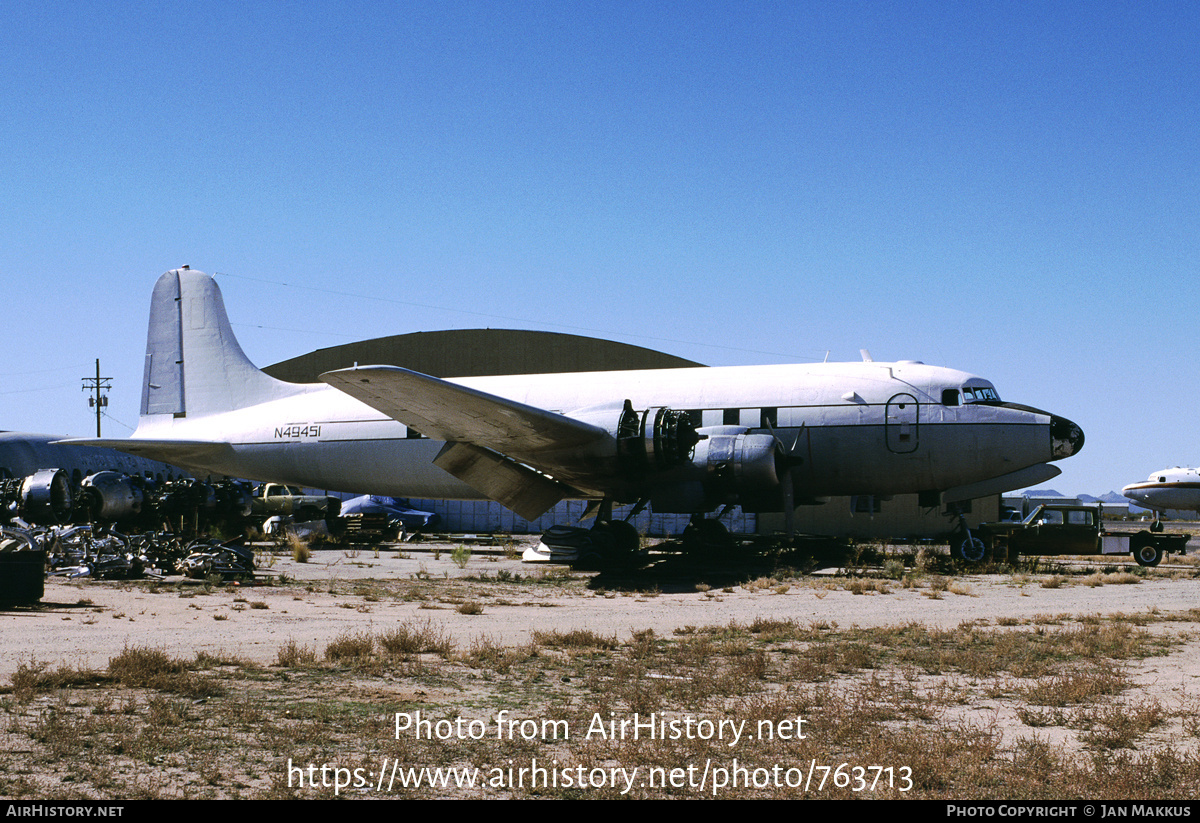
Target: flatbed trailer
x=1052, y=529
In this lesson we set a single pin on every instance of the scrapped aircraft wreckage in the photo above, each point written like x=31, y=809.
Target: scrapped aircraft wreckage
x=115, y=525
x=135, y=503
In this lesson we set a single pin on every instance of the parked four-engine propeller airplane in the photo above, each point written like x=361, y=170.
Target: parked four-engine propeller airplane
x=1176, y=489
x=682, y=440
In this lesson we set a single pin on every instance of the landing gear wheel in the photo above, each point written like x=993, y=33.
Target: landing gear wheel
x=626, y=540
x=1146, y=552
x=1156, y=526
x=706, y=536
x=615, y=544
x=971, y=549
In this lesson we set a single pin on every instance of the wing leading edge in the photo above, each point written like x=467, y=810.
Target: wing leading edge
x=505, y=449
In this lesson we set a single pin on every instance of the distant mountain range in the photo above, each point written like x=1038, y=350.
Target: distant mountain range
x=1110, y=498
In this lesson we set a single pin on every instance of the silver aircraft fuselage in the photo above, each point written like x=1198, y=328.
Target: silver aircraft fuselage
x=819, y=429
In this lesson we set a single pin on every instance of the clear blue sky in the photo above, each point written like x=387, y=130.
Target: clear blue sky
x=1011, y=189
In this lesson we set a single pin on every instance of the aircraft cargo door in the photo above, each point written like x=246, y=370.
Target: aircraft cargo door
x=902, y=423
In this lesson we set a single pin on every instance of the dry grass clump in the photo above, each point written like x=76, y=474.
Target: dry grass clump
x=364, y=651
x=134, y=667
x=759, y=584
x=1097, y=680
x=488, y=653
x=585, y=639
x=154, y=669
x=1119, y=726
x=773, y=629
x=34, y=678
x=292, y=655
x=301, y=547
x=350, y=648
x=1114, y=578
x=409, y=639
x=860, y=585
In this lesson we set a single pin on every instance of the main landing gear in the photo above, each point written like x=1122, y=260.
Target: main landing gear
x=706, y=535
x=607, y=544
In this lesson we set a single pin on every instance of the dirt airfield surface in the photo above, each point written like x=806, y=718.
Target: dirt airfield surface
x=84, y=623
x=915, y=678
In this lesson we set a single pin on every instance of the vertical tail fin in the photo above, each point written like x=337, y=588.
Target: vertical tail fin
x=194, y=365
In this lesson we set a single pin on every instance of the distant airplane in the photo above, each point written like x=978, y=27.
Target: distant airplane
x=1176, y=489
x=683, y=440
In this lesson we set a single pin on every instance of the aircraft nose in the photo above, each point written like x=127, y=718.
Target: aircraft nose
x=1066, y=438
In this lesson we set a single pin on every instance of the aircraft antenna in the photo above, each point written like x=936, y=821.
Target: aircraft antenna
x=99, y=387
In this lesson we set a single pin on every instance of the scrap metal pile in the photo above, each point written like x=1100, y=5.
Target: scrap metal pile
x=114, y=525
x=84, y=551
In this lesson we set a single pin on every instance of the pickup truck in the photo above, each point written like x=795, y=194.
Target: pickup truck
x=271, y=499
x=1063, y=529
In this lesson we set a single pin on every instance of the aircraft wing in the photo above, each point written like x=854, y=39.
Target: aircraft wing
x=507, y=450
x=447, y=411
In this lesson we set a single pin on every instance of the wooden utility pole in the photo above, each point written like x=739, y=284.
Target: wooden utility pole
x=98, y=385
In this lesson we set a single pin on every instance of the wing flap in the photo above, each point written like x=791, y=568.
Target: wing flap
x=517, y=487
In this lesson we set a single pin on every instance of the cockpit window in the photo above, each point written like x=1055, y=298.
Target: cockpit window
x=980, y=394
x=950, y=397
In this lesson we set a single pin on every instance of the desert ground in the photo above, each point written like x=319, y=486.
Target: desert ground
x=86, y=622
x=1083, y=671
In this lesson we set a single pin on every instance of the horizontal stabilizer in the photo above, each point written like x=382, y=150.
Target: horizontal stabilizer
x=448, y=411
x=188, y=454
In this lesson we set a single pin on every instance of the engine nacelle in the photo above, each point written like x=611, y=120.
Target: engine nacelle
x=111, y=495
x=654, y=440
x=742, y=462
x=660, y=452
x=648, y=441
x=728, y=466
x=45, y=497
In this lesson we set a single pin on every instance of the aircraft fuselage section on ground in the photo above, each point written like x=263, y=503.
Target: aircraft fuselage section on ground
x=687, y=439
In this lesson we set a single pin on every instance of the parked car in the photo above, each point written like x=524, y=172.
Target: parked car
x=398, y=511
